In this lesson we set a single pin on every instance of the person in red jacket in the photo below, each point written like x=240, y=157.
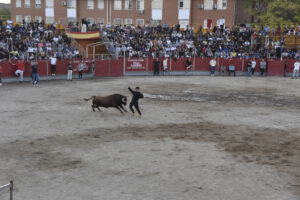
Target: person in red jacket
x=20, y=69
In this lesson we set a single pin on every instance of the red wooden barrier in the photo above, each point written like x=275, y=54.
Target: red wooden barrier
x=115, y=67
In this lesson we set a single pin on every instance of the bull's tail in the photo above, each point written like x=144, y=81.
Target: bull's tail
x=87, y=99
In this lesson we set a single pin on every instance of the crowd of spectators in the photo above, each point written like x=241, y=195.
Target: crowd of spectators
x=38, y=40
x=175, y=42
x=34, y=40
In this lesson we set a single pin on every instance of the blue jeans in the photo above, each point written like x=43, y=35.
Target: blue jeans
x=212, y=70
x=35, y=78
x=249, y=71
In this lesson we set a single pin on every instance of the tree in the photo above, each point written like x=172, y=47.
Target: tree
x=5, y=13
x=274, y=11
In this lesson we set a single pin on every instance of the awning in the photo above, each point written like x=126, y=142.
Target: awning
x=84, y=36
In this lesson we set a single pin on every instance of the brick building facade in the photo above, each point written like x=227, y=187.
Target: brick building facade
x=186, y=12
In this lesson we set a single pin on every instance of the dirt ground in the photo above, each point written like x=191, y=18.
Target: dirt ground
x=219, y=138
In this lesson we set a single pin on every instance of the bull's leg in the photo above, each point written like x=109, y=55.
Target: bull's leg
x=98, y=109
x=93, y=106
x=119, y=109
x=123, y=108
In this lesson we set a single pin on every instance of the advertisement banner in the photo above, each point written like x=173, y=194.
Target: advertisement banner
x=136, y=64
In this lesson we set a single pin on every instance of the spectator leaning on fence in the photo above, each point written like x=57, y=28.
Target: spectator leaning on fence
x=53, y=61
x=296, y=69
x=156, y=67
x=231, y=68
x=80, y=67
x=253, y=65
x=263, y=66
x=165, y=65
x=188, y=64
x=212, y=64
x=20, y=69
x=70, y=70
x=34, y=72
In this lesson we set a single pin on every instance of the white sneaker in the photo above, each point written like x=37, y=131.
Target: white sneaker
x=0, y=84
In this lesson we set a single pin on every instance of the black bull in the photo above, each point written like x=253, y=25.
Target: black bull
x=115, y=101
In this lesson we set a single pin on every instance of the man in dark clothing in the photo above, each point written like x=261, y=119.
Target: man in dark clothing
x=188, y=65
x=156, y=67
x=136, y=95
x=34, y=72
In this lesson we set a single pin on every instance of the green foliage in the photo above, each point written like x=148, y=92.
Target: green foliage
x=5, y=11
x=274, y=11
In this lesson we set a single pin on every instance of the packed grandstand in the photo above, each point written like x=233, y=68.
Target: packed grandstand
x=41, y=41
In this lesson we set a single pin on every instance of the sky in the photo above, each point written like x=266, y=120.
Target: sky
x=4, y=1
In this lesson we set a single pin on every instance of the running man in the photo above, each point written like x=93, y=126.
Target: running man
x=136, y=95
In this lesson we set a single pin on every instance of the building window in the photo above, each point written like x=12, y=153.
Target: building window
x=100, y=4
x=71, y=3
x=100, y=20
x=127, y=21
x=38, y=4
x=49, y=3
x=18, y=4
x=49, y=20
x=117, y=21
x=140, y=22
x=19, y=19
x=222, y=4
x=140, y=4
x=181, y=3
x=184, y=4
x=90, y=4
x=118, y=4
x=27, y=4
x=128, y=5
x=27, y=19
x=208, y=4
x=157, y=4
x=38, y=18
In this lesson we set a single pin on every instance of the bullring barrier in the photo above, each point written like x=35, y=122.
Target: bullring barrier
x=144, y=66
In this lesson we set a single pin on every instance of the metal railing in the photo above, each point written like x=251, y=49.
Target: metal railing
x=94, y=45
x=10, y=185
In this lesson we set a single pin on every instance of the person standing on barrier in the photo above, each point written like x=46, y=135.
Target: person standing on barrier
x=156, y=67
x=212, y=64
x=34, y=72
x=263, y=66
x=53, y=64
x=136, y=95
x=296, y=69
x=70, y=70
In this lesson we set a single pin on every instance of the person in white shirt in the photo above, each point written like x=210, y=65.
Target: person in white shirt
x=165, y=65
x=212, y=64
x=253, y=65
x=53, y=64
x=296, y=69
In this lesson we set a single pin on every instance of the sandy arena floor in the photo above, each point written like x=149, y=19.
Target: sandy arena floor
x=220, y=138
